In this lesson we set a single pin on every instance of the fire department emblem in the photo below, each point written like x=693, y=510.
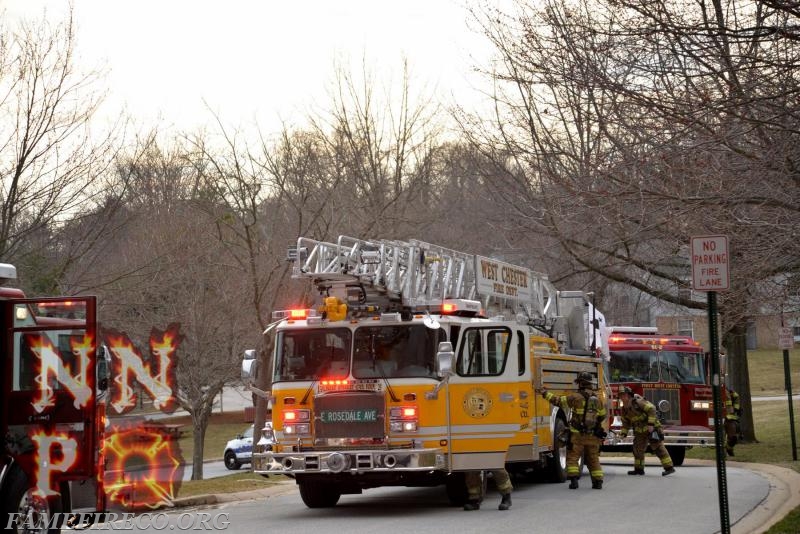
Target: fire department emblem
x=477, y=403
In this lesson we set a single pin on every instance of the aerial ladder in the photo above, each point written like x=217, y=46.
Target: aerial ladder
x=415, y=276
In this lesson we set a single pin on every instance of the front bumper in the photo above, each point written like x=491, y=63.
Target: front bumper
x=350, y=461
x=674, y=436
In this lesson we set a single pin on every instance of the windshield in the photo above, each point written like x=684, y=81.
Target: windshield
x=682, y=367
x=396, y=351
x=311, y=354
x=653, y=366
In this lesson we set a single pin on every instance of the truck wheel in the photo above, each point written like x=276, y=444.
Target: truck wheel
x=231, y=462
x=456, y=488
x=677, y=454
x=557, y=464
x=34, y=513
x=319, y=495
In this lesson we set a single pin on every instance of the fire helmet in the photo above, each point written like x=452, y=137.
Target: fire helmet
x=627, y=390
x=585, y=378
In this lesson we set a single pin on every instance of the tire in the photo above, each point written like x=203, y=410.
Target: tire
x=16, y=498
x=231, y=462
x=557, y=464
x=456, y=488
x=319, y=495
x=677, y=454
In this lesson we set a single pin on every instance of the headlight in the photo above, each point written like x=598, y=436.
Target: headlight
x=701, y=405
x=297, y=429
x=403, y=419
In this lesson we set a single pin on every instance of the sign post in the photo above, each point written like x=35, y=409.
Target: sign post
x=710, y=273
x=786, y=343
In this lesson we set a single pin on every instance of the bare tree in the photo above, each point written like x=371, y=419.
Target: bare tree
x=623, y=128
x=380, y=148
x=50, y=163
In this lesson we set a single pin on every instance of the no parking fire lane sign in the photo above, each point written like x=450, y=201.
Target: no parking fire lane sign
x=710, y=263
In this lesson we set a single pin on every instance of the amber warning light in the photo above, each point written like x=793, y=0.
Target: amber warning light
x=294, y=314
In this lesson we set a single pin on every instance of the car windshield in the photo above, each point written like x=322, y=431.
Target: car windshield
x=682, y=367
x=248, y=433
x=390, y=351
x=655, y=366
x=396, y=351
x=312, y=354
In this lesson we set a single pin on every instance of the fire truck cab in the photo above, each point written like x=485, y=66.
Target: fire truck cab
x=671, y=372
x=49, y=414
x=404, y=374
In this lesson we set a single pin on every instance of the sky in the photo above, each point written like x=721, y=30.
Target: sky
x=175, y=63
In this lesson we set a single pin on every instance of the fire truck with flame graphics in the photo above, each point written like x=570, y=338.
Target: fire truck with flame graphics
x=670, y=371
x=416, y=364
x=50, y=415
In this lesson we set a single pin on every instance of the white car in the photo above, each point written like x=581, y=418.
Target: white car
x=239, y=450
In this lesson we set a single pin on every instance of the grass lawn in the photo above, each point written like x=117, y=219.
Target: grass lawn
x=221, y=428
x=766, y=372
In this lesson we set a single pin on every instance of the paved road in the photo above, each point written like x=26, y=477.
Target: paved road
x=686, y=502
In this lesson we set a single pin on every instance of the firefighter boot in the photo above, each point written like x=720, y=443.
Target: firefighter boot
x=637, y=471
x=472, y=505
x=597, y=484
x=668, y=471
x=505, y=503
x=573, y=483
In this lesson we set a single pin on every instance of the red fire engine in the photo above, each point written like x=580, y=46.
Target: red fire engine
x=671, y=372
x=50, y=415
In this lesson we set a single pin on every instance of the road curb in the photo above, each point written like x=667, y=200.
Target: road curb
x=279, y=488
x=783, y=497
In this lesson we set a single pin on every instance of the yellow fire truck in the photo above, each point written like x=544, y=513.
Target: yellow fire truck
x=417, y=364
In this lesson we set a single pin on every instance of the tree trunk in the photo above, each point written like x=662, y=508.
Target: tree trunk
x=200, y=418
x=735, y=342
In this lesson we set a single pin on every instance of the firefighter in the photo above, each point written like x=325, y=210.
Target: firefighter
x=475, y=489
x=732, y=412
x=585, y=429
x=640, y=414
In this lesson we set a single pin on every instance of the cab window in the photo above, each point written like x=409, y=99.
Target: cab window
x=483, y=351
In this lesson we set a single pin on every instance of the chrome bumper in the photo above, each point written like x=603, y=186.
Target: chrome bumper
x=672, y=437
x=350, y=461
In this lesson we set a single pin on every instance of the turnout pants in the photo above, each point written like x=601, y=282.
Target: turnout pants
x=588, y=447
x=475, y=487
x=641, y=444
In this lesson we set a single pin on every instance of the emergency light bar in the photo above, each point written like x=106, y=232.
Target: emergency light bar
x=461, y=307
x=296, y=314
x=650, y=341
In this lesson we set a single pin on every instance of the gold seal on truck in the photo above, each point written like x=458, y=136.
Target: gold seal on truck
x=477, y=403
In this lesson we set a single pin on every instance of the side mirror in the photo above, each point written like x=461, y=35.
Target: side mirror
x=249, y=366
x=444, y=359
x=103, y=368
